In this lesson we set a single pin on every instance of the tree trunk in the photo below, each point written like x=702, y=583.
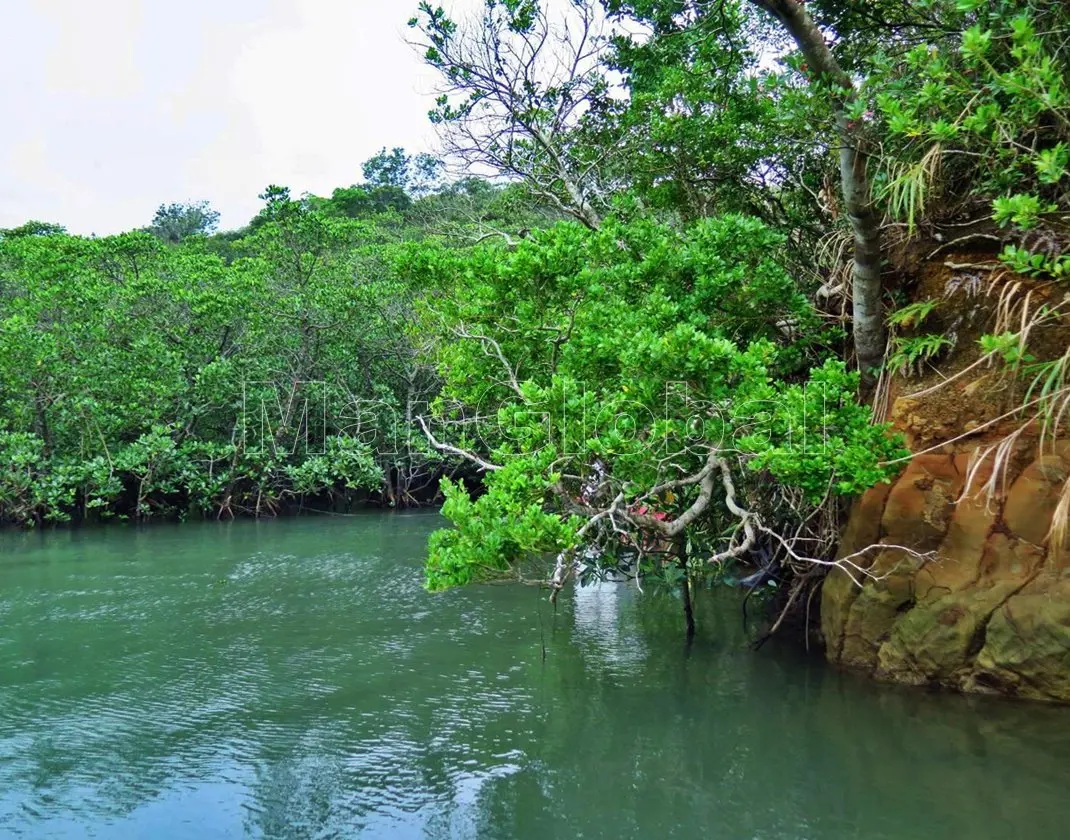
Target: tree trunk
x=868, y=316
x=689, y=609
x=578, y=205
x=685, y=589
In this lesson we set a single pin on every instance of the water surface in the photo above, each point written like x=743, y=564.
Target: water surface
x=291, y=679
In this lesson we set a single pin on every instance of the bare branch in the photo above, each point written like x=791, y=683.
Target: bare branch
x=521, y=91
x=486, y=466
x=490, y=343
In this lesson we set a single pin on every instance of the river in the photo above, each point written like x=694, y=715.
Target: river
x=291, y=679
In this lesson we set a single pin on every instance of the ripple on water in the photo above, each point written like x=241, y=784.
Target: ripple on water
x=296, y=681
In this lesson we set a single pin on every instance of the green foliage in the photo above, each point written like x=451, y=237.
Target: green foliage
x=700, y=117
x=1046, y=392
x=910, y=185
x=155, y=380
x=175, y=222
x=986, y=103
x=1023, y=261
x=1005, y=345
x=624, y=357
x=346, y=462
x=914, y=314
x=503, y=525
x=1051, y=164
x=32, y=228
x=415, y=175
x=621, y=370
x=910, y=353
x=176, y=371
x=1022, y=211
x=816, y=437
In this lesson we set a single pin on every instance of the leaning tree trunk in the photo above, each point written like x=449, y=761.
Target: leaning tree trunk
x=869, y=332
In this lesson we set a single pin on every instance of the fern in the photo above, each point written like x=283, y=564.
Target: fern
x=910, y=353
x=912, y=316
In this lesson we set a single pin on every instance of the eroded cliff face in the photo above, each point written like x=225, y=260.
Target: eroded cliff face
x=988, y=608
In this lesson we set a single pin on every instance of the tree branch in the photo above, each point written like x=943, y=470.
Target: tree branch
x=486, y=466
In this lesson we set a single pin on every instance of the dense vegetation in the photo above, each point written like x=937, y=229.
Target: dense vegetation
x=172, y=371
x=649, y=335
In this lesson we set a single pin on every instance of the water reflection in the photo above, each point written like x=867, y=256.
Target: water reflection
x=611, y=643
x=292, y=679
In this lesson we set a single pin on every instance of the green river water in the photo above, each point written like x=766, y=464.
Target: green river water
x=291, y=679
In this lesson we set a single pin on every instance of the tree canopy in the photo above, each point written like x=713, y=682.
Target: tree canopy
x=637, y=317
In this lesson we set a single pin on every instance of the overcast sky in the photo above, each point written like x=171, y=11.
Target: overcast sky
x=110, y=108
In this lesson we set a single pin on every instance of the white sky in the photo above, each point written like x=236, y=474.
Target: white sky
x=110, y=108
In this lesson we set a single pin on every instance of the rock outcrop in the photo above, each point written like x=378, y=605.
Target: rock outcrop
x=989, y=610
x=987, y=606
